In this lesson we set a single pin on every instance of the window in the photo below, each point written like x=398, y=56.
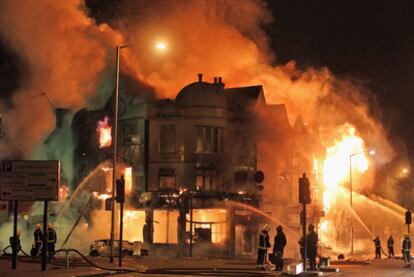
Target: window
x=168, y=139
x=209, y=140
x=166, y=178
x=207, y=180
x=130, y=135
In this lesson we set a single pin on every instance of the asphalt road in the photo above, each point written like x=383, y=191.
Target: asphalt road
x=153, y=267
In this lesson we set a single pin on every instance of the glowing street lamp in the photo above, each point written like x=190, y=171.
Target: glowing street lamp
x=159, y=46
x=372, y=153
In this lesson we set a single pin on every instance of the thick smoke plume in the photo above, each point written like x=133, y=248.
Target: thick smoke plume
x=70, y=57
x=66, y=55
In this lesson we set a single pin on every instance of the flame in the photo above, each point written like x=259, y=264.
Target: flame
x=128, y=179
x=337, y=162
x=63, y=192
x=104, y=133
x=102, y=196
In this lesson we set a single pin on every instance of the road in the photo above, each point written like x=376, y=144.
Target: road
x=148, y=266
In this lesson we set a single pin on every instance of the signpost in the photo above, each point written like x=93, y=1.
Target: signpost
x=29, y=181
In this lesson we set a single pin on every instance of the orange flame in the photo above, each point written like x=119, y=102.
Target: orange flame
x=104, y=133
x=336, y=164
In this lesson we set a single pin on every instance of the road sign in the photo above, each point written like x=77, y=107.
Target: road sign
x=30, y=180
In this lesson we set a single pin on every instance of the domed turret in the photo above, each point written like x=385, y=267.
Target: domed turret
x=202, y=94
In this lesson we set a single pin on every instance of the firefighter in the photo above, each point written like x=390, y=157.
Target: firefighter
x=38, y=236
x=312, y=246
x=15, y=243
x=280, y=240
x=406, y=247
x=377, y=243
x=51, y=239
x=278, y=247
x=390, y=244
x=264, y=244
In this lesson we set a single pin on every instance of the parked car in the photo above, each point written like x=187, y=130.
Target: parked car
x=102, y=247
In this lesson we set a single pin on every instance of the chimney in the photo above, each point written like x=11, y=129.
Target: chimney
x=200, y=77
x=60, y=115
x=215, y=80
x=219, y=85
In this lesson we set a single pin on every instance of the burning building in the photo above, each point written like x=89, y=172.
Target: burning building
x=190, y=162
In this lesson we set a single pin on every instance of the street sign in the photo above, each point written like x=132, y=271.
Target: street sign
x=30, y=180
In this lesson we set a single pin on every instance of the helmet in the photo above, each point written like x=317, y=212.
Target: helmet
x=311, y=227
x=407, y=236
x=38, y=226
x=18, y=233
x=49, y=225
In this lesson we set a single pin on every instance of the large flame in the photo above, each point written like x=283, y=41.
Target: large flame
x=104, y=133
x=336, y=167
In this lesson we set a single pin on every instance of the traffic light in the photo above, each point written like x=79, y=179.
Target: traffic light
x=120, y=190
x=304, y=190
x=408, y=217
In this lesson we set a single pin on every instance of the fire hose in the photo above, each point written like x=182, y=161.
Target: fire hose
x=118, y=269
x=21, y=249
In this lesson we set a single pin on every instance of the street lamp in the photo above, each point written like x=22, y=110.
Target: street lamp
x=159, y=46
x=372, y=153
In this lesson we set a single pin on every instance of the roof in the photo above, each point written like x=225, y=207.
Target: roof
x=244, y=98
x=279, y=114
x=201, y=94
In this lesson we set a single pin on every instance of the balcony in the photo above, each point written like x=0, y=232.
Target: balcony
x=207, y=160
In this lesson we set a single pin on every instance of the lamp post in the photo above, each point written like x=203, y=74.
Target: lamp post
x=371, y=152
x=159, y=46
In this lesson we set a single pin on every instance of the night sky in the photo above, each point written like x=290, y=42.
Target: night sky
x=372, y=41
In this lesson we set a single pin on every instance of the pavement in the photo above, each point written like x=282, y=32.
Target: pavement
x=153, y=267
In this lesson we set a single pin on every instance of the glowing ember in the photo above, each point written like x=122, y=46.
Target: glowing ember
x=104, y=133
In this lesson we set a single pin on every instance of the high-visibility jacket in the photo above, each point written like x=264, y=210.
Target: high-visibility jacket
x=38, y=236
x=406, y=245
x=264, y=242
x=390, y=242
x=51, y=235
x=377, y=243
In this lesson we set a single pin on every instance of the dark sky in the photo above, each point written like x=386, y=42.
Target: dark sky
x=369, y=40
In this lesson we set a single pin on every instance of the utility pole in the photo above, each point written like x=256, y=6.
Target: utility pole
x=304, y=199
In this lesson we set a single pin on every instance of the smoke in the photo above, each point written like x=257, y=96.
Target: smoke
x=214, y=37
x=69, y=57
x=66, y=54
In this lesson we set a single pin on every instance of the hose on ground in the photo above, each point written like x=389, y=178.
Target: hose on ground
x=118, y=269
x=21, y=249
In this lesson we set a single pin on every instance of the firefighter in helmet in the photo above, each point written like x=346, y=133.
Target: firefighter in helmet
x=264, y=244
x=51, y=239
x=390, y=244
x=38, y=236
x=377, y=243
x=406, y=248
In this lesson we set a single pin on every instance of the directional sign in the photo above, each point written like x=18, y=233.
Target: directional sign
x=30, y=180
